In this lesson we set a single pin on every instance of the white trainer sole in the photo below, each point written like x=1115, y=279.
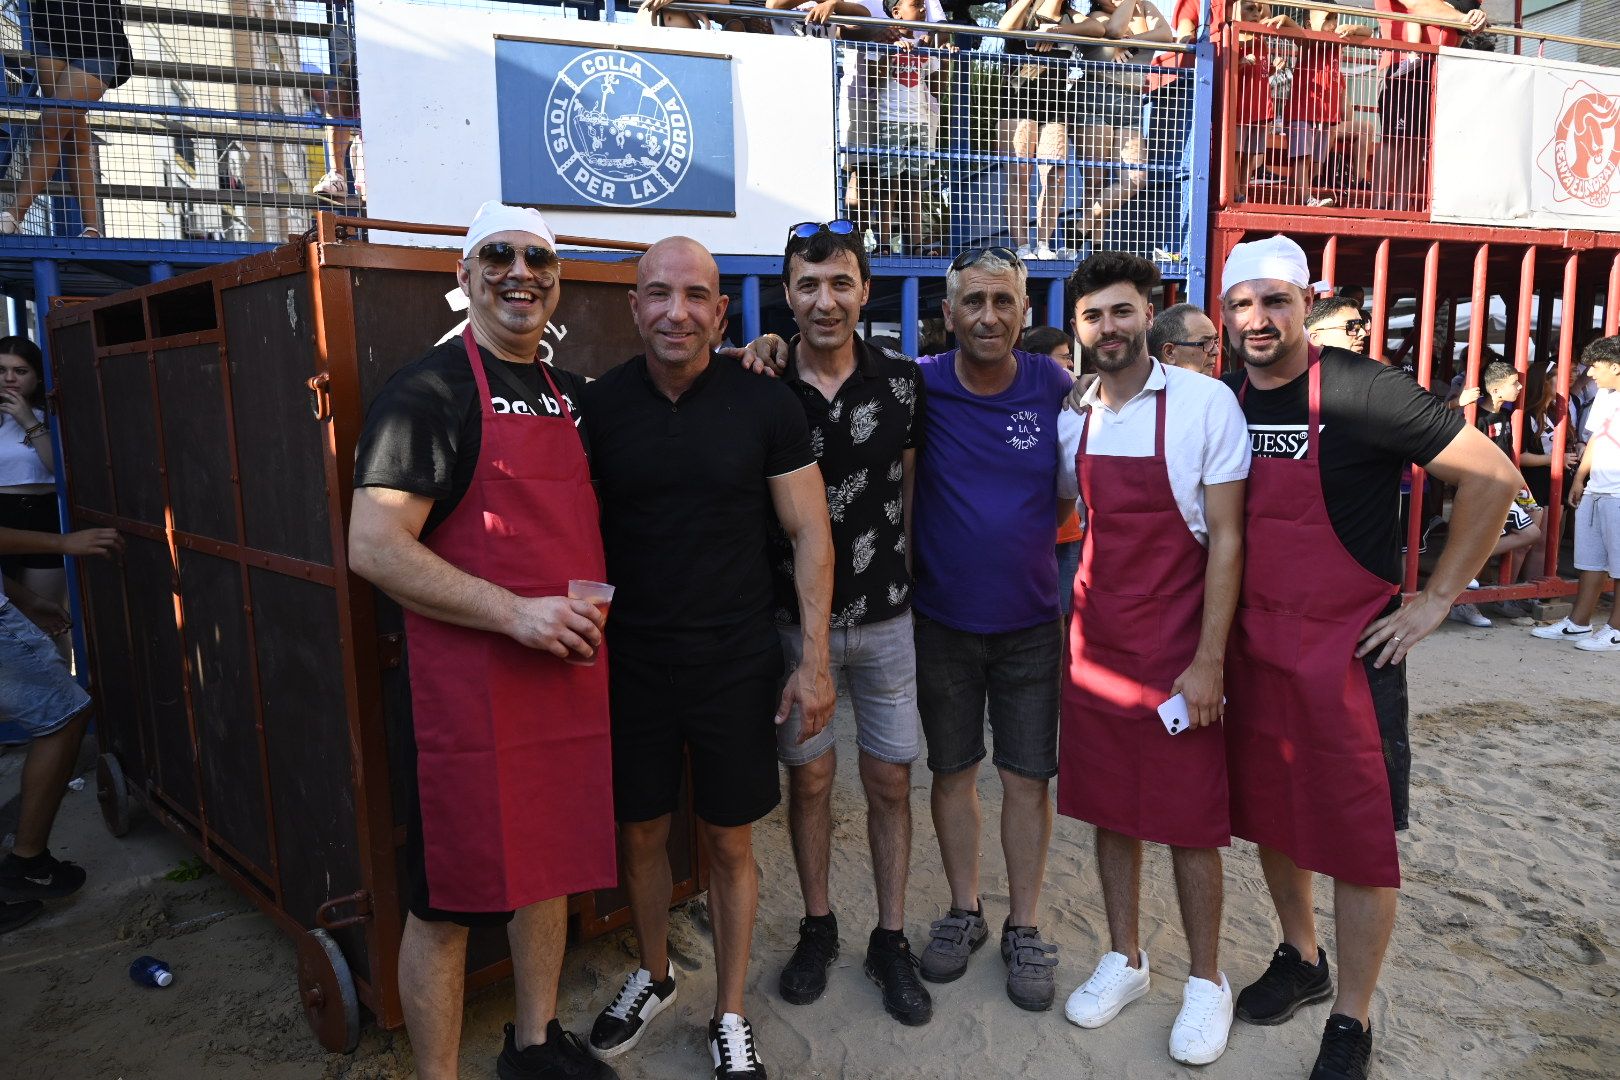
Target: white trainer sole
x=1099, y=1021
x=1198, y=1059
x=656, y=1005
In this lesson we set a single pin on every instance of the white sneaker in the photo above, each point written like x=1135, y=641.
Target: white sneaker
x=1562, y=630
x=1604, y=639
x=1468, y=613
x=334, y=184
x=8, y=223
x=1205, y=1020
x=1114, y=985
x=1044, y=251
x=1025, y=252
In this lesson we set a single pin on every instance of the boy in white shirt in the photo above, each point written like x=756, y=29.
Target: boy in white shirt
x=1595, y=495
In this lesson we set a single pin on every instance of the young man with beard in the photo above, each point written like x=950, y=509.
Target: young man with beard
x=1317, y=754
x=864, y=406
x=1158, y=456
x=694, y=459
x=472, y=508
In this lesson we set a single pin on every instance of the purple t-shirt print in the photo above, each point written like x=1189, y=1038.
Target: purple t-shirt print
x=984, y=509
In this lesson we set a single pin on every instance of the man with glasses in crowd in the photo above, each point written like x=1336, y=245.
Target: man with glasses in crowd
x=1183, y=336
x=695, y=460
x=864, y=406
x=472, y=506
x=1337, y=322
x=987, y=609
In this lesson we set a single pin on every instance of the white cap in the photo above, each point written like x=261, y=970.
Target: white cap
x=163, y=976
x=1275, y=257
x=497, y=217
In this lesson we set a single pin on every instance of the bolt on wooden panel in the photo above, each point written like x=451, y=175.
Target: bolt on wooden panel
x=270, y=341
x=196, y=449
x=132, y=437
x=147, y=577
x=221, y=672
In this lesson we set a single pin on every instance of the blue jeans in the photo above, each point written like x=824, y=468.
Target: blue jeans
x=879, y=662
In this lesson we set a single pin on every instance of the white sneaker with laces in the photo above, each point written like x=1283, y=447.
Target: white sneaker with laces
x=1603, y=639
x=1044, y=251
x=1025, y=252
x=1468, y=613
x=1114, y=985
x=1562, y=630
x=8, y=223
x=1205, y=1021
x=334, y=184
x=731, y=1045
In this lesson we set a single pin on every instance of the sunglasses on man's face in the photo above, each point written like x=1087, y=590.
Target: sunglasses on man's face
x=973, y=255
x=497, y=257
x=1354, y=326
x=804, y=230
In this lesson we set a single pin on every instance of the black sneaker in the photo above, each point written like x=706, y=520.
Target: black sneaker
x=561, y=1055
x=39, y=878
x=891, y=964
x=731, y=1045
x=15, y=913
x=805, y=977
x=1288, y=985
x=620, y=1026
x=1346, y=1050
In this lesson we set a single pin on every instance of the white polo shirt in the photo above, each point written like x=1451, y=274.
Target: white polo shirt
x=1206, y=438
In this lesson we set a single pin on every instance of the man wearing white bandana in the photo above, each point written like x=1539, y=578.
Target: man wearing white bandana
x=1317, y=753
x=473, y=508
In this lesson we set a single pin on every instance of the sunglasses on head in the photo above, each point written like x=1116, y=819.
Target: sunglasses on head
x=973, y=255
x=804, y=230
x=498, y=256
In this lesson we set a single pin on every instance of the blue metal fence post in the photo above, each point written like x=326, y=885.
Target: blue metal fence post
x=750, y=307
x=48, y=283
x=1055, y=315
x=908, y=316
x=1199, y=162
x=161, y=271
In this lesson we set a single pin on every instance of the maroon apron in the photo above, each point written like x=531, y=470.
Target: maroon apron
x=1303, y=749
x=513, y=761
x=1118, y=768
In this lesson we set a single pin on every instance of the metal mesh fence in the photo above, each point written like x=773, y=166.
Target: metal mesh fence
x=1056, y=153
x=188, y=120
x=1322, y=119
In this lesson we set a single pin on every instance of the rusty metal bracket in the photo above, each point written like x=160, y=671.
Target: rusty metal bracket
x=320, y=397
x=326, y=918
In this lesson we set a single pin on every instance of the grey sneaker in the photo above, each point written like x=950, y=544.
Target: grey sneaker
x=1031, y=982
x=951, y=941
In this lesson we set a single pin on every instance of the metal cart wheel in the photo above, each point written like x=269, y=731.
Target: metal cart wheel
x=112, y=792
x=326, y=987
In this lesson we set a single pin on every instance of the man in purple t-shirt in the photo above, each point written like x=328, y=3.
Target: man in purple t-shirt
x=986, y=603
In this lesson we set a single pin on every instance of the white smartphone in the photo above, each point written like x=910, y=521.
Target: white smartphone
x=1174, y=715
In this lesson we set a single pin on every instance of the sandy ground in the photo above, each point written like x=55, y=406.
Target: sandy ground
x=1504, y=962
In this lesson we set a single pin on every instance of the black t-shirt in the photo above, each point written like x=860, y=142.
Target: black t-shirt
x=686, y=507
x=859, y=438
x=1496, y=426
x=1375, y=419
x=424, y=428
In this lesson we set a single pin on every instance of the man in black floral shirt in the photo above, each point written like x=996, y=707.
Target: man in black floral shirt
x=865, y=406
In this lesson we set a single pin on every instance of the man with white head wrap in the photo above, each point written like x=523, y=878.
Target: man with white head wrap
x=1317, y=754
x=473, y=508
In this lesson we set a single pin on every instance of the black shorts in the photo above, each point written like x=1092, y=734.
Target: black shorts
x=1388, y=686
x=722, y=714
x=413, y=872
x=35, y=513
x=1403, y=103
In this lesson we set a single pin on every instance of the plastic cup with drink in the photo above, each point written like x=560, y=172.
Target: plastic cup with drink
x=599, y=593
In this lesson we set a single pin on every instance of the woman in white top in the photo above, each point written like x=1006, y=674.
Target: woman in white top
x=27, y=470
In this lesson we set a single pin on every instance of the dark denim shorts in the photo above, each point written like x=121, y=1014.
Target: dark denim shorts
x=1014, y=675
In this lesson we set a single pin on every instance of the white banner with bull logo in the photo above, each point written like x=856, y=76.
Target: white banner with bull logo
x=1534, y=143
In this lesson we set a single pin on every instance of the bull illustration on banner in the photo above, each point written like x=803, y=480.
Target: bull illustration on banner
x=1583, y=155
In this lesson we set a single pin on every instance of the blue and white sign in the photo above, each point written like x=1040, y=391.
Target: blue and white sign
x=614, y=129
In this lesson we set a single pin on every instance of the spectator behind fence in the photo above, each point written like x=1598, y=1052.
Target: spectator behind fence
x=1316, y=102
x=1256, y=109
x=1403, y=103
x=1338, y=321
x=1167, y=126
x=80, y=53
x=1183, y=336
x=28, y=473
x=1038, y=104
x=339, y=99
x=1595, y=495
x=1052, y=342
x=908, y=92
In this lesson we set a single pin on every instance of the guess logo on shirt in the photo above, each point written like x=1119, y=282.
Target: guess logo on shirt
x=1279, y=440
x=1024, y=430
